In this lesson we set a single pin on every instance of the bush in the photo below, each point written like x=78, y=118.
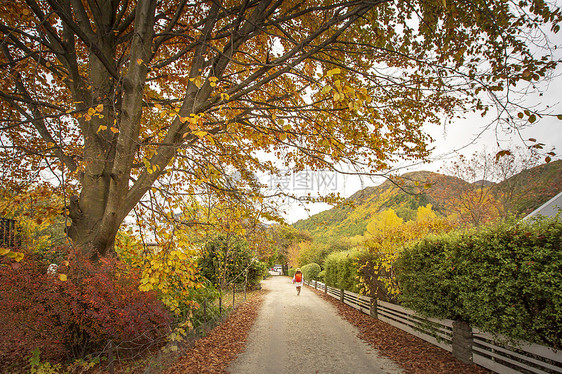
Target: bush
x=231, y=256
x=291, y=272
x=311, y=271
x=256, y=271
x=341, y=270
x=69, y=319
x=504, y=279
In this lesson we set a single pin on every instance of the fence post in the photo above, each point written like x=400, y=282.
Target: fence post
x=373, y=311
x=233, y=295
x=325, y=287
x=462, y=341
x=315, y=284
x=342, y=295
x=110, y=358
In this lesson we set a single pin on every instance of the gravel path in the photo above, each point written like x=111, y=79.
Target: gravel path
x=305, y=334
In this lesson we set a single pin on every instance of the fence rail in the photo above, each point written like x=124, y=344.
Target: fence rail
x=439, y=333
x=505, y=358
x=470, y=345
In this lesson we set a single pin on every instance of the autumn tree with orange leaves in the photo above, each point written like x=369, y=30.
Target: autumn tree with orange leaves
x=488, y=187
x=123, y=99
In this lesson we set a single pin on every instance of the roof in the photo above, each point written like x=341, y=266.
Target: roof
x=549, y=209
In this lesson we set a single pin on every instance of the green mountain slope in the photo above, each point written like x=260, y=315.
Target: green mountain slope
x=405, y=194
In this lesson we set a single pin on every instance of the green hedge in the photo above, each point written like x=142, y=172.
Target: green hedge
x=504, y=279
x=341, y=270
x=311, y=271
x=291, y=272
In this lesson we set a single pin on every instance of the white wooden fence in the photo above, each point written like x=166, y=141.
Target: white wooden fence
x=484, y=349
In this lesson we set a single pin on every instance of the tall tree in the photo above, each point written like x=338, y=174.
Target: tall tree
x=120, y=98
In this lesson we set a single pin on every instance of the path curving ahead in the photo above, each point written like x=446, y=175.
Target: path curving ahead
x=304, y=334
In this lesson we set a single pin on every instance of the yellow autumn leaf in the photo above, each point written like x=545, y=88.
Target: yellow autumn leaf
x=333, y=71
x=197, y=81
x=139, y=61
x=101, y=128
x=99, y=108
x=146, y=163
x=200, y=134
x=4, y=251
x=19, y=256
x=326, y=89
x=114, y=130
x=63, y=277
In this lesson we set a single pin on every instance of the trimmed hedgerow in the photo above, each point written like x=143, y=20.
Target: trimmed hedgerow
x=311, y=271
x=341, y=270
x=504, y=279
x=291, y=272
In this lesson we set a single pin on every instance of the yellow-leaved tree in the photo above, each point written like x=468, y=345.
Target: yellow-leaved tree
x=385, y=239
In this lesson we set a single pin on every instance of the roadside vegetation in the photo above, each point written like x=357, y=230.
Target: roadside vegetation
x=133, y=136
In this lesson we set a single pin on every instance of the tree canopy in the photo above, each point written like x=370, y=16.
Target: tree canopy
x=127, y=100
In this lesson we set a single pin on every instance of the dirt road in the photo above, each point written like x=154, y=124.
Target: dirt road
x=304, y=334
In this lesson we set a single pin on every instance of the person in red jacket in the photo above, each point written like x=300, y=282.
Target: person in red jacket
x=297, y=280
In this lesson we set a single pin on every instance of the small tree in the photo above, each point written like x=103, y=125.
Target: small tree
x=494, y=187
x=225, y=260
x=384, y=245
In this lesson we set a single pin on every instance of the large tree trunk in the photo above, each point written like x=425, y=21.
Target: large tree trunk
x=102, y=205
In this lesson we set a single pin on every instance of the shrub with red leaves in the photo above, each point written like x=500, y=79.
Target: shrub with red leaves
x=99, y=301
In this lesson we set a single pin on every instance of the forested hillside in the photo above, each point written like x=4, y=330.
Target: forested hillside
x=518, y=195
